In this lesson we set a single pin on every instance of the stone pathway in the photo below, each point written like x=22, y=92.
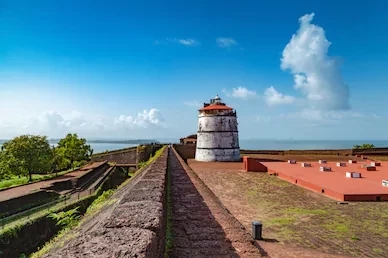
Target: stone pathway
x=201, y=226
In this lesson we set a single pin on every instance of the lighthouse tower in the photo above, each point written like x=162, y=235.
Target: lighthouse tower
x=217, y=136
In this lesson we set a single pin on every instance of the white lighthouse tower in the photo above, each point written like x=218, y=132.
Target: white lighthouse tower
x=217, y=136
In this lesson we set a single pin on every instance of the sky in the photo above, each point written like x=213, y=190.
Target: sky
x=310, y=70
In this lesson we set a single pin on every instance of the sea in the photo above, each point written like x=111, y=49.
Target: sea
x=255, y=144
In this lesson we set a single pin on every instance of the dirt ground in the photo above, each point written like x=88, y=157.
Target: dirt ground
x=303, y=223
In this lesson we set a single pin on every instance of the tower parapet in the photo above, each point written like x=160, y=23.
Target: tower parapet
x=217, y=136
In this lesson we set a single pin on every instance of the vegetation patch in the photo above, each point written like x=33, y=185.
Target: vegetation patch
x=168, y=237
x=301, y=211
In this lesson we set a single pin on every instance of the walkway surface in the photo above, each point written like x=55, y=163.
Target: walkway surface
x=201, y=226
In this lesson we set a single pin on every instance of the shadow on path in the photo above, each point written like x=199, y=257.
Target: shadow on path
x=201, y=227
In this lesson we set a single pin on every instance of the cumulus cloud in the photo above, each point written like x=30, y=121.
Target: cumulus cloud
x=226, y=42
x=145, y=119
x=316, y=75
x=273, y=97
x=240, y=92
x=55, y=124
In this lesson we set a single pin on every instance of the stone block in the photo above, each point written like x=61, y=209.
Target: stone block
x=111, y=242
x=325, y=169
x=144, y=215
x=370, y=168
x=341, y=164
x=353, y=175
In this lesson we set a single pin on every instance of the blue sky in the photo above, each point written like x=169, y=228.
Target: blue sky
x=135, y=69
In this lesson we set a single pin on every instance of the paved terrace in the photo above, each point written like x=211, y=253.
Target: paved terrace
x=334, y=183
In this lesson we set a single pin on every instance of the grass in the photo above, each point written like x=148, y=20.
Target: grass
x=283, y=221
x=16, y=181
x=169, y=236
x=100, y=201
x=32, y=216
x=378, y=158
x=338, y=227
x=70, y=232
x=302, y=211
x=377, y=250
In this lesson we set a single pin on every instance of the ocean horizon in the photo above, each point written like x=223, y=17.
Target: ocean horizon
x=254, y=144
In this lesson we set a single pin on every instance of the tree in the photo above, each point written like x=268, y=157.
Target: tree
x=60, y=162
x=363, y=146
x=9, y=166
x=74, y=149
x=26, y=155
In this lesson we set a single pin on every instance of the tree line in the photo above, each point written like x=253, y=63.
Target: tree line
x=364, y=146
x=26, y=155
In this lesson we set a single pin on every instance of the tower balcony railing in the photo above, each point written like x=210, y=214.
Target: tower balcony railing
x=217, y=112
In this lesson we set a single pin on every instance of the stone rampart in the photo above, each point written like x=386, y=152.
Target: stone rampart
x=136, y=226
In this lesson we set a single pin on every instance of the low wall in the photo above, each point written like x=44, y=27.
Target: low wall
x=185, y=151
x=128, y=156
x=132, y=155
x=113, y=151
x=144, y=152
x=188, y=151
x=25, y=202
x=94, y=172
x=136, y=227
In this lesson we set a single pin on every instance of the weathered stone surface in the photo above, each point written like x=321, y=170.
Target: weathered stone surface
x=157, y=176
x=155, y=195
x=144, y=215
x=113, y=242
x=149, y=184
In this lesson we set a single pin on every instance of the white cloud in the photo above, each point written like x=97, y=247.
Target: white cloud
x=145, y=119
x=188, y=42
x=240, y=92
x=226, y=42
x=316, y=74
x=55, y=124
x=193, y=103
x=273, y=97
